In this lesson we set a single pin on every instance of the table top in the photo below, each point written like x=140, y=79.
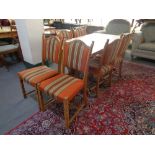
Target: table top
x=5, y=32
x=6, y=29
x=99, y=40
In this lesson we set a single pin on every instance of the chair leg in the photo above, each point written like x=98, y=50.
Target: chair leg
x=66, y=113
x=41, y=101
x=37, y=95
x=23, y=88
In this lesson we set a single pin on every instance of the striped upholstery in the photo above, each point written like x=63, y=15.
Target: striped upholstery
x=111, y=52
x=37, y=74
x=76, y=55
x=62, y=87
x=106, y=69
x=65, y=34
x=94, y=67
x=52, y=49
x=125, y=40
x=79, y=31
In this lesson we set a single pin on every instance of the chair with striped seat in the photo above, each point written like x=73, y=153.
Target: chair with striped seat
x=65, y=87
x=126, y=38
x=79, y=31
x=51, y=52
x=101, y=67
x=65, y=34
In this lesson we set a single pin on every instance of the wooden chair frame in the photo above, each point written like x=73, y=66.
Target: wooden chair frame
x=11, y=51
x=44, y=41
x=66, y=103
x=98, y=73
x=126, y=38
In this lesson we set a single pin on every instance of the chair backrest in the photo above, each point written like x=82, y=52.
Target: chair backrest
x=118, y=26
x=79, y=31
x=110, y=52
x=125, y=40
x=148, y=32
x=76, y=55
x=65, y=34
x=52, y=49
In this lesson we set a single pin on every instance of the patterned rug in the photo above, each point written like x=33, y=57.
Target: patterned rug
x=127, y=107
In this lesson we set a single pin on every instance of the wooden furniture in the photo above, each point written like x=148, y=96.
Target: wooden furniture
x=98, y=38
x=126, y=38
x=64, y=34
x=102, y=65
x=79, y=31
x=5, y=50
x=6, y=32
x=65, y=87
x=51, y=52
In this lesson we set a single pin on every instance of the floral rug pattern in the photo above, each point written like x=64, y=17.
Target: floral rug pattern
x=127, y=107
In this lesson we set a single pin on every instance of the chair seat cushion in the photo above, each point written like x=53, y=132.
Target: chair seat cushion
x=147, y=46
x=63, y=87
x=9, y=47
x=36, y=75
x=94, y=63
x=94, y=67
x=106, y=69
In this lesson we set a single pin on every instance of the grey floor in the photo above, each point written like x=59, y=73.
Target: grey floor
x=13, y=108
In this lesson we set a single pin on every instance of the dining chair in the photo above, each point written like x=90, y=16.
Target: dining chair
x=51, y=52
x=79, y=31
x=65, y=34
x=101, y=67
x=65, y=87
x=125, y=41
x=8, y=49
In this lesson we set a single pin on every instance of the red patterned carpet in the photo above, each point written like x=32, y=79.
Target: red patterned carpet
x=127, y=107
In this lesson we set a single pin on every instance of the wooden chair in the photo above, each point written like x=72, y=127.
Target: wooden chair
x=65, y=34
x=51, y=52
x=101, y=67
x=64, y=87
x=126, y=38
x=6, y=50
x=79, y=31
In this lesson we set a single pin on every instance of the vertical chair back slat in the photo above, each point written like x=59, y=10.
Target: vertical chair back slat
x=110, y=53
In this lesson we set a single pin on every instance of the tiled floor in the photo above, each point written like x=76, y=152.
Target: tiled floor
x=13, y=108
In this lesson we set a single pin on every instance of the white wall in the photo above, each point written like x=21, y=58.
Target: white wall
x=30, y=35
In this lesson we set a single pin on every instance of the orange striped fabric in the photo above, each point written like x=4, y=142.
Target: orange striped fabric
x=95, y=69
x=65, y=34
x=106, y=69
x=37, y=74
x=111, y=52
x=63, y=87
x=122, y=48
x=53, y=49
x=124, y=45
x=79, y=31
x=76, y=55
